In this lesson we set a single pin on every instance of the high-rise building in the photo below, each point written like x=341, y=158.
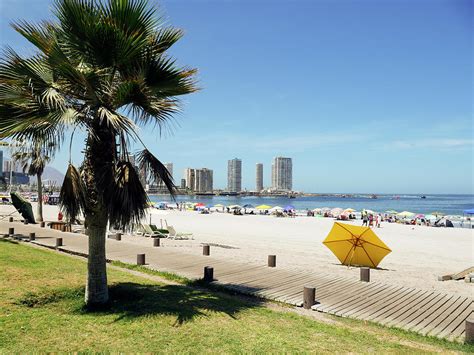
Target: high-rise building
x=169, y=167
x=203, y=180
x=199, y=180
x=282, y=174
x=183, y=184
x=14, y=166
x=234, y=175
x=259, y=177
x=189, y=175
x=1, y=162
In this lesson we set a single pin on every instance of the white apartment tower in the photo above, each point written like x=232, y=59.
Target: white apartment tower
x=169, y=167
x=259, y=177
x=234, y=175
x=199, y=180
x=282, y=174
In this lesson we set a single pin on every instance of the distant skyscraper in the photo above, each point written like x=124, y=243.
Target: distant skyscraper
x=234, y=175
x=259, y=177
x=169, y=167
x=199, y=180
x=183, y=183
x=282, y=174
x=1, y=162
x=189, y=175
x=203, y=180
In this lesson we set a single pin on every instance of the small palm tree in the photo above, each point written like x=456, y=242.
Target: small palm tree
x=102, y=68
x=33, y=159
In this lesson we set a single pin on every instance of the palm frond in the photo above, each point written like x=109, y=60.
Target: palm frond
x=126, y=198
x=72, y=198
x=155, y=170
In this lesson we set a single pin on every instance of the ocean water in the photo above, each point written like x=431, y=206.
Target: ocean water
x=447, y=204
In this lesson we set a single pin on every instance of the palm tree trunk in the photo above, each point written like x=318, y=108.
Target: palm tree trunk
x=97, y=165
x=96, y=288
x=40, y=197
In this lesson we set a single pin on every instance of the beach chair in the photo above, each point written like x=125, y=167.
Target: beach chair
x=162, y=233
x=148, y=232
x=175, y=235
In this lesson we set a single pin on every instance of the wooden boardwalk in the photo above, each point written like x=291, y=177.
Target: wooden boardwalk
x=422, y=311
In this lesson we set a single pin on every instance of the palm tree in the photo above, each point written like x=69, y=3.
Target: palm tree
x=101, y=68
x=33, y=159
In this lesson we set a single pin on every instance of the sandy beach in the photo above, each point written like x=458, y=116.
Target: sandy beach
x=419, y=254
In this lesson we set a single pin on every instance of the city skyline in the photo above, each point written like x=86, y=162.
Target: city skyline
x=393, y=102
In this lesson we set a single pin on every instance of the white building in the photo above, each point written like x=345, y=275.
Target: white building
x=234, y=175
x=282, y=174
x=199, y=180
x=259, y=177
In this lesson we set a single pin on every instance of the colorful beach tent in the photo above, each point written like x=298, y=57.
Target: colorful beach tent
x=263, y=207
x=356, y=245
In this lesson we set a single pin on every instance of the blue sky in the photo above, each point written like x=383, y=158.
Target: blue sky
x=365, y=96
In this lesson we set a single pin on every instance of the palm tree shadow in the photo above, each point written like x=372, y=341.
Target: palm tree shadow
x=130, y=300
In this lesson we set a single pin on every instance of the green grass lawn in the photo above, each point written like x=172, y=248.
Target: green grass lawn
x=41, y=309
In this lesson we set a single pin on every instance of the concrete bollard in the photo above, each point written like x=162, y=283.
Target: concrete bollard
x=32, y=236
x=10, y=219
x=309, y=297
x=42, y=224
x=365, y=274
x=11, y=231
x=206, y=250
x=140, y=259
x=208, y=274
x=272, y=261
x=469, y=331
x=59, y=242
x=118, y=236
x=156, y=242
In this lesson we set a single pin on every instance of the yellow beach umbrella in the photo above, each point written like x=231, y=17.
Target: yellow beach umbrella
x=356, y=245
x=263, y=207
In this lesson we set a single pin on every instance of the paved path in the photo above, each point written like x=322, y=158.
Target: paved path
x=424, y=311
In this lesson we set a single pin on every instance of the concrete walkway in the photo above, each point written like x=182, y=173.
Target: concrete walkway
x=424, y=311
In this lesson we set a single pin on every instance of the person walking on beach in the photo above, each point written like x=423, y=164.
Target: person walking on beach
x=371, y=220
x=364, y=218
x=378, y=219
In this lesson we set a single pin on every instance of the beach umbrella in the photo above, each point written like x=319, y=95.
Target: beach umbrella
x=405, y=214
x=336, y=211
x=263, y=207
x=276, y=208
x=349, y=210
x=437, y=214
x=370, y=212
x=235, y=207
x=391, y=212
x=316, y=210
x=289, y=208
x=218, y=205
x=248, y=205
x=430, y=217
x=356, y=245
x=420, y=215
x=324, y=209
x=23, y=207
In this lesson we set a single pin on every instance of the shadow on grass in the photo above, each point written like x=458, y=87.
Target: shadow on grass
x=130, y=300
